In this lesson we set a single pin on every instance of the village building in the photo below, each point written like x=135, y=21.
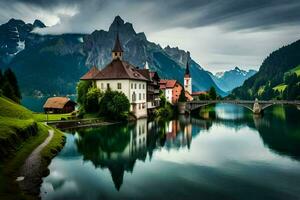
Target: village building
x=172, y=90
x=59, y=105
x=153, y=100
x=187, y=79
x=122, y=76
x=196, y=95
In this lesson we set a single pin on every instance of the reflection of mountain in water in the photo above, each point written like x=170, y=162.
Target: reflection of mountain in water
x=278, y=128
x=117, y=147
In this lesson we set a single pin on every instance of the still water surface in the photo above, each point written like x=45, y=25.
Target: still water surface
x=225, y=153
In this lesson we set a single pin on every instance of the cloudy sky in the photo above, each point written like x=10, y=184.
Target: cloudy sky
x=220, y=34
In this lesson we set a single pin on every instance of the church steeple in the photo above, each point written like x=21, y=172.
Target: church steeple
x=187, y=76
x=117, y=51
x=187, y=70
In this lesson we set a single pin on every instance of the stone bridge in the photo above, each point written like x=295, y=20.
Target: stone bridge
x=255, y=106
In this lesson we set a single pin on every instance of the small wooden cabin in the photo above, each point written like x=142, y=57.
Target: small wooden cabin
x=59, y=105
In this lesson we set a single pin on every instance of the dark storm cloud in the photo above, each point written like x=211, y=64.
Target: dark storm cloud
x=235, y=14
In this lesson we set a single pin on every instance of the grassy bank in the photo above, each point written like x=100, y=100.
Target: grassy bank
x=20, y=134
x=42, y=117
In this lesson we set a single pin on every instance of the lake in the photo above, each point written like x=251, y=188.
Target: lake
x=223, y=152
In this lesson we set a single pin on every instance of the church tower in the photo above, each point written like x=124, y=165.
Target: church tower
x=187, y=77
x=117, y=51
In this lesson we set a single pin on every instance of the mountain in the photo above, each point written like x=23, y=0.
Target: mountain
x=276, y=78
x=231, y=79
x=169, y=62
x=53, y=64
x=14, y=36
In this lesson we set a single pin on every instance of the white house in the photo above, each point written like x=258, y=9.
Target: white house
x=122, y=76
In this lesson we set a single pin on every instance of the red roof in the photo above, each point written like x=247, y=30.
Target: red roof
x=57, y=102
x=198, y=93
x=116, y=69
x=167, y=83
x=90, y=74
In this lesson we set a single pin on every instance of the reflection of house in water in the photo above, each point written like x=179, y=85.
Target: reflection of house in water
x=115, y=148
x=178, y=134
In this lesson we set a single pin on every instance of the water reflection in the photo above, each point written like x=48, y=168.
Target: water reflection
x=209, y=154
x=118, y=147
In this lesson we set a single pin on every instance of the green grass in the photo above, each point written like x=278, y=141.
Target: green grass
x=10, y=190
x=296, y=70
x=280, y=88
x=10, y=109
x=10, y=126
x=16, y=120
x=51, y=117
x=261, y=90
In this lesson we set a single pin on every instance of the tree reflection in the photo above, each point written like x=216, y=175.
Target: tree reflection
x=117, y=147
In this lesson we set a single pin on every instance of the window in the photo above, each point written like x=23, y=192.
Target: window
x=102, y=86
x=140, y=86
x=131, y=85
x=107, y=86
x=144, y=96
x=139, y=106
x=119, y=86
x=140, y=96
x=135, y=86
x=143, y=105
x=143, y=86
x=133, y=96
x=116, y=54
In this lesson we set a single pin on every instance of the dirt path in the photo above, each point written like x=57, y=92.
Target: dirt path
x=30, y=173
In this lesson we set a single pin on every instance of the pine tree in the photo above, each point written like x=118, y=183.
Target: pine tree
x=182, y=97
x=10, y=83
x=8, y=91
x=212, y=93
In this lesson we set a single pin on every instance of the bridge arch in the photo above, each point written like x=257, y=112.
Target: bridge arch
x=197, y=106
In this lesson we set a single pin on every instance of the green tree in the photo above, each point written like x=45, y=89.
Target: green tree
x=82, y=90
x=8, y=91
x=203, y=96
x=9, y=82
x=182, y=97
x=92, y=100
x=114, y=105
x=212, y=93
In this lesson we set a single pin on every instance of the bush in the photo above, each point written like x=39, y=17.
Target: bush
x=92, y=100
x=82, y=90
x=164, y=112
x=114, y=105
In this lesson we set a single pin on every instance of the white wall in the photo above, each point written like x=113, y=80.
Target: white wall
x=168, y=95
x=128, y=87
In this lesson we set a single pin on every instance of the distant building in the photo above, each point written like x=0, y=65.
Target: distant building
x=153, y=99
x=195, y=95
x=172, y=90
x=122, y=76
x=187, y=78
x=59, y=105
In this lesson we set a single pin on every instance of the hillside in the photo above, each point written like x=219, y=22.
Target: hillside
x=48, y=64
x=273, y=74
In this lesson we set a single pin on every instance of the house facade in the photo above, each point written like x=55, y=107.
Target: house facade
x=59, y=105
x=122, y=76
x=172, y=90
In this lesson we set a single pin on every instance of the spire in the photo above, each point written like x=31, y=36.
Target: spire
x=117, y=51
x=118, y=46
x=146, y=65
x=187, y=69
